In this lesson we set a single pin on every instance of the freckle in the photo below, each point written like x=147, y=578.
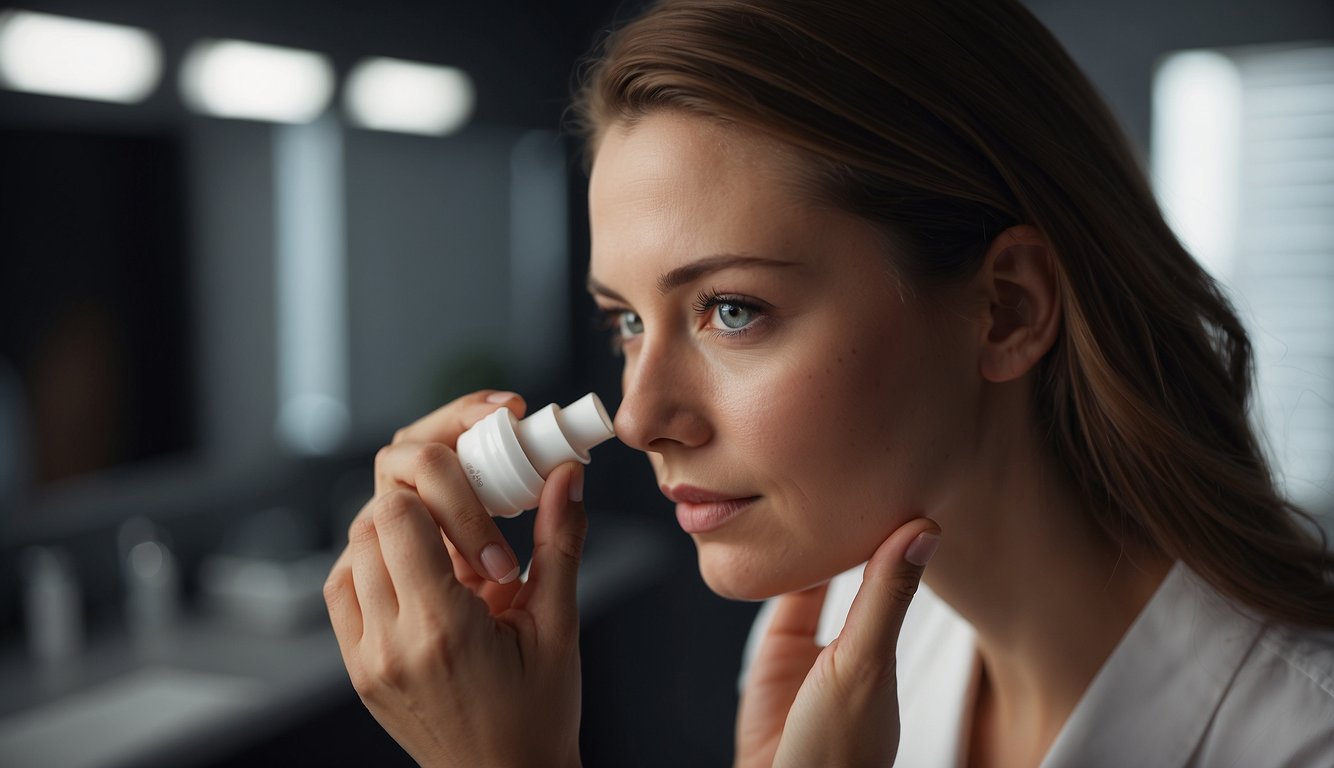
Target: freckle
x=826, y=371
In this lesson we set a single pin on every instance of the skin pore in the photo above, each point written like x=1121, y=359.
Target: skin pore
x=771, y=354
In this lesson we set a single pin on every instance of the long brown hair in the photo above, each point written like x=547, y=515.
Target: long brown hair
x=944, y=123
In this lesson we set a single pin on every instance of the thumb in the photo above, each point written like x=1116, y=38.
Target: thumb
x=889, y=582
x=558, y=547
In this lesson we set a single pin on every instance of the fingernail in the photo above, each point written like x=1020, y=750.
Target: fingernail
x=499, y=565
x=922, y=548
x=501, y=397
x=577, y=485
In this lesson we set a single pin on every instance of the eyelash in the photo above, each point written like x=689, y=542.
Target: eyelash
x=707, y=301
x=608, y=319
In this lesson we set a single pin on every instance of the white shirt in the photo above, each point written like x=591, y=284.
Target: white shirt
x=1194, y=682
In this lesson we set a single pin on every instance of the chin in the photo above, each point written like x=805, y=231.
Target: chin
x=746, y=575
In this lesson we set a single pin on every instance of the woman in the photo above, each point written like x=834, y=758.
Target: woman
x=885, y=276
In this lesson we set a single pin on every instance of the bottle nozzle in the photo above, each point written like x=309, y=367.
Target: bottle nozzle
x=585, y=424
x=508, y=460
x=555, y=435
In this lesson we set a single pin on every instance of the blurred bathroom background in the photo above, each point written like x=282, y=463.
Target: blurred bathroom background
x=242, y=242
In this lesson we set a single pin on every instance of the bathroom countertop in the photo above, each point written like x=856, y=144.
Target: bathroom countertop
x=211, y=688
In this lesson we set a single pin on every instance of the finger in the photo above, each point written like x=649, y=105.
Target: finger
x=797, y=614
x=418, y=564
x=445, y=424
x=370, y=578
x=433, y=472
x=498, y=597
x=550, y=593
x=889, y=582
x=464, y=573
x=340, y=597
x=364, y=512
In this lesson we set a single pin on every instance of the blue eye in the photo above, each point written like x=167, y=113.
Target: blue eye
x=730, y=315
x=734, y=316
x=623, y=324
x=629, y=324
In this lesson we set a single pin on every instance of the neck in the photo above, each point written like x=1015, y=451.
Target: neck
x=1048, y=592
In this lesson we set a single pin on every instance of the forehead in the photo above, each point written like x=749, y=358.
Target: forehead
x=670, y=145
x=676, y=186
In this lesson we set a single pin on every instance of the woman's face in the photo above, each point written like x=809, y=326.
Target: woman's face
x=792, y=399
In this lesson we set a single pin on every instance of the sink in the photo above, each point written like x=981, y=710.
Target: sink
x=110, y=724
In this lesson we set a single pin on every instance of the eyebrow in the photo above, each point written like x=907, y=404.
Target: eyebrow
x=688, y=273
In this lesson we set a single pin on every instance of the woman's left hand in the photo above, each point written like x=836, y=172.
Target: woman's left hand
x=805, y=705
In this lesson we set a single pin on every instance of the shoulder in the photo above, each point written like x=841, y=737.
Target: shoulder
x=1292, y=666
x=1279, y=709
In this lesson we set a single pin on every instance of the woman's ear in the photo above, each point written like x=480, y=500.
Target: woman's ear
x=1019, y=279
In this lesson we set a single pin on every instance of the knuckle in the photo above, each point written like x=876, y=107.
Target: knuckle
x=903, y=589
x=383, y=457
x=361, y=530
x=333, y=589
x=432, y=650
x=361, y=682
x=401, y=435
x=571, y=543
x=362, y=514
x=387, y=669
x=382, y=467
x=432, y=627
x=394, y=507
x=472, y=526
x=429, y=457
x=873, y=671
x=568, y=546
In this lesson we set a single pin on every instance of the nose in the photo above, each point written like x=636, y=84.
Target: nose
x=662, y=403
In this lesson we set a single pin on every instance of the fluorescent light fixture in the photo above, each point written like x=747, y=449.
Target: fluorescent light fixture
x=314, y=417
x=61, y=56
x=409, y=97
x=1196, y=153
x=239, y=79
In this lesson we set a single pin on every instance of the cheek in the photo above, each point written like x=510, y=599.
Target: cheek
x=846, y=441
x=853, y=434
x=843, y=405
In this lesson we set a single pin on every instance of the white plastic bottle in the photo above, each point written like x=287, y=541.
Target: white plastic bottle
x=508, y=460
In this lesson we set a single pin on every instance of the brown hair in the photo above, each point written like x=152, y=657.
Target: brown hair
x=946, y=122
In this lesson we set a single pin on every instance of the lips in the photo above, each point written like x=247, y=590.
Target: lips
x=699, y=510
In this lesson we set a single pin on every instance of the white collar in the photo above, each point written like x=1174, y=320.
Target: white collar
x=1152, y=700
x=1149, y=705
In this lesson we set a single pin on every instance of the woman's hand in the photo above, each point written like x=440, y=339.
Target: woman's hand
x=804, y=705
x=459, y=661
